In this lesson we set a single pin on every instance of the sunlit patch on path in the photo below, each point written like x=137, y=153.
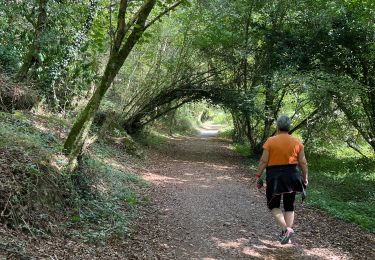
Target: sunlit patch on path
x=209, y=131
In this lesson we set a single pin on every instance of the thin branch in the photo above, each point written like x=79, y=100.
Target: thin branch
x=304, y=121
x=135, y=17
x=158, y=17
x=29, y=18
x=111, y=31
x=355, y=149
x=350, y=116
x=279, y=103
x=166, y=111
x=139, y=21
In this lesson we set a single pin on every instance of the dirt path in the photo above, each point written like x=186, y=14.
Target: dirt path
x=205, y=206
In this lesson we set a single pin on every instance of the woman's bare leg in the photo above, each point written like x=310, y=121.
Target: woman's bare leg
x=289, y=218
x=279, y=217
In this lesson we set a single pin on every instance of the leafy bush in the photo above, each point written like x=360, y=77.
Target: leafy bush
x=150, y=137
x=221, y=117
x=242, y=149
x=226, y=133
x=9, y=58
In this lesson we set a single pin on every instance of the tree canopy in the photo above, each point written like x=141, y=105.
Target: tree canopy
x=313, y=60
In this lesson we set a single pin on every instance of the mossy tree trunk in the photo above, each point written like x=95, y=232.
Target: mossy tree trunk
x=34, y=53
x=127, y=35
x=79, y=132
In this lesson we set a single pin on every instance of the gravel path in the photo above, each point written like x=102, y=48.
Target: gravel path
x=204, y=205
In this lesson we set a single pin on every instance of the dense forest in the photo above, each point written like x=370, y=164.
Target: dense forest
x=82, y=81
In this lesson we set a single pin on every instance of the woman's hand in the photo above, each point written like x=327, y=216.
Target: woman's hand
x=259, y=183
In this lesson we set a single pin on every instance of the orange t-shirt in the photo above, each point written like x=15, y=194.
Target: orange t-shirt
x=283, y=149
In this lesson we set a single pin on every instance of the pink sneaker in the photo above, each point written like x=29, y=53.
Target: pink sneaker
x=287, y=235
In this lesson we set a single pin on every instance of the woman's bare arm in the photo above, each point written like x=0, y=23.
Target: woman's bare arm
x=263, y=162
x=303, y=164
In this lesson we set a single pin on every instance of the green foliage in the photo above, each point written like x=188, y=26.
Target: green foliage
x=226, y=132
x=344, y=187
x=150, y=137
x=29, y=165
x=8, y=58
x=242, y=149
x=186, y=119
x=64, y=20
x=313, y=60
x=220, y=118
x=217, y=115
x=18, y=130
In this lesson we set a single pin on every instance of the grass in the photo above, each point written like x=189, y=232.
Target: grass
x=113, y=193
x=221, y=117
x=344, y=187
x=29, y=175
x=17, y=130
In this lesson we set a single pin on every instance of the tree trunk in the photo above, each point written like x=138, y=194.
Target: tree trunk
x=33, y=55
x=269, y=111
x=239, y=129
x=80, y=130
x=249, y=132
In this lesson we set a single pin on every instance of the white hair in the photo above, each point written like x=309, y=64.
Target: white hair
x=284, y=123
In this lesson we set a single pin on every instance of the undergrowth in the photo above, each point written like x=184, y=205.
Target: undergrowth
x=242, y=149
x=226, y=133
x=106, y=209
x=150, y=137
x=29, y=180
x=38, y=196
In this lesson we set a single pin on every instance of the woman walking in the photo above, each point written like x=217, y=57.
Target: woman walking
x=282, y=154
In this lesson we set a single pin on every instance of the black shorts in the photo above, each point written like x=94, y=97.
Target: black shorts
x=283, y=181
x=273, y=201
